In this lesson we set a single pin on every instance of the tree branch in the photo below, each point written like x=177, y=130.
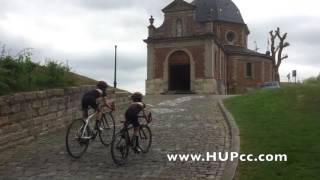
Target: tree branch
x=276, y=52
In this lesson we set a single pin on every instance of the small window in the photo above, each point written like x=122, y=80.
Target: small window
x=231, y=36
x=249, y=70
x=179, y=28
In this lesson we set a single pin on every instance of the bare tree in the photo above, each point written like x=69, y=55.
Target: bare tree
x=276, y=51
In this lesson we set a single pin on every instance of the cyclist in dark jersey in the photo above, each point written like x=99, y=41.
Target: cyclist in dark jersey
x=90, y=99
x=131, y=116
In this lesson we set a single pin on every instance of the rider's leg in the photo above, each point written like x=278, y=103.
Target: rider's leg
x=84, y=114
x=135, y=124
x=85, y=107
x=96, y=108
x=136, y=131
x=99, y=115
x=132, y=118
x=98, y=120
x=135, y=137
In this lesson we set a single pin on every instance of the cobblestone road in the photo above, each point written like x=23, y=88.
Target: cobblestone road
x=184, y=124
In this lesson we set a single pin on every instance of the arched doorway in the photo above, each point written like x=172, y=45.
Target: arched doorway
x=179, y=71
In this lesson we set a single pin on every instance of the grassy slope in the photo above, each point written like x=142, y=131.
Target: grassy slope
x=82, y=80
x=285, y=120
x=22, y=74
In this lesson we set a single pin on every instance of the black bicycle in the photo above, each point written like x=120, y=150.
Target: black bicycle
x=80, y=132
x=122, y=142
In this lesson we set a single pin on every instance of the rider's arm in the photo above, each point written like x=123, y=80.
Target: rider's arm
x=106, y=103
x=143, y=107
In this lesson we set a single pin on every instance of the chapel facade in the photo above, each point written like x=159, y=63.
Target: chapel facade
x=201, y=47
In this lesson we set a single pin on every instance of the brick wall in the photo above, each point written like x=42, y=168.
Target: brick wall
x=198, y=57
x=237, y=80
x=223, y=28
x=160, y=56
x=25, y=116
x=190, y=27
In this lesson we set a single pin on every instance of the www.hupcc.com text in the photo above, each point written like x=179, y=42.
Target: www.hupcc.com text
x=227, y=156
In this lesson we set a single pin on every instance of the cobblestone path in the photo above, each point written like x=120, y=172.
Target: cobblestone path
x=184, y=124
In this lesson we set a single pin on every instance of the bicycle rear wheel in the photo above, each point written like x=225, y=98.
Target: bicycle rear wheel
x=107, y=129
x=75, y=144
x=120, y=148
x=145, y=138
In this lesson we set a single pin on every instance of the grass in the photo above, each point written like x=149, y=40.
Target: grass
x=280, y=121
x=22, y=74
x=82, y=80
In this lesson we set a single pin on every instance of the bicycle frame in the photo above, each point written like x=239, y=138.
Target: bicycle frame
x=92, y=115
x=87, y=122
x=81, y=131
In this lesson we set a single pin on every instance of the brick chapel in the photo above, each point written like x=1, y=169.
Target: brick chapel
x=201, y=47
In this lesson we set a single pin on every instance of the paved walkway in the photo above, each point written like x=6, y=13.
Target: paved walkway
x=185, y=124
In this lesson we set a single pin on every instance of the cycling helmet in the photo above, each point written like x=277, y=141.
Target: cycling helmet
x=102, y=85
x=136, y=97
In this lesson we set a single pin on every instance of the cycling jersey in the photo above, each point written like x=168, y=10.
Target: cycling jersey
x=89, y=99
x=132, y=113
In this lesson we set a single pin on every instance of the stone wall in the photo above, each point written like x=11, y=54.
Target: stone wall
x=26, y=116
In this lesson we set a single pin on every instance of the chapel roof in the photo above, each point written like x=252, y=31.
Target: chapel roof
x=229, y=49
x=217, y=10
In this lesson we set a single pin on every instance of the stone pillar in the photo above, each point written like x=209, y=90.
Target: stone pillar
x=209, y=58
x=150, y=62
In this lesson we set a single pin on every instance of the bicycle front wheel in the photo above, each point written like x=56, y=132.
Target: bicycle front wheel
x=120, y=148
x=145, y=138
x=106, y=129
x=77, y=145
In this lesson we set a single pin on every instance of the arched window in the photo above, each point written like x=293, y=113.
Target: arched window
x=179, y=28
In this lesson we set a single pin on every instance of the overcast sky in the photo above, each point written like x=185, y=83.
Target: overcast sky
x=84, y=32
